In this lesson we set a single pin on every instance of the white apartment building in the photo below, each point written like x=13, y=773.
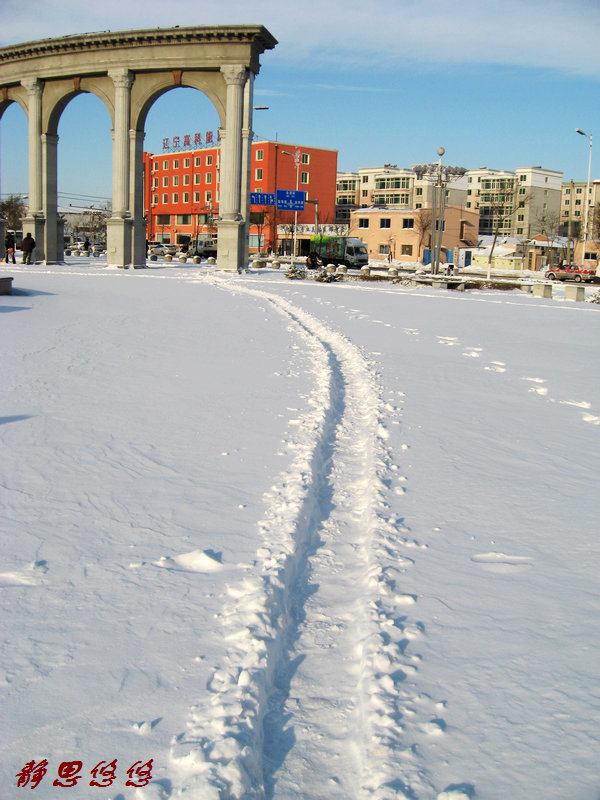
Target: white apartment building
x=572, y=208
x=390, y=186
x=522, y=203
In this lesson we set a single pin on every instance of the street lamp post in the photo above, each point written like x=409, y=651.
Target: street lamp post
x=296, y=157
x=440, y=176
x=587, y=191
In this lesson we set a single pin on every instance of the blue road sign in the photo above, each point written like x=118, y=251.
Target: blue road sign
x=262, y=199
x=290, y=199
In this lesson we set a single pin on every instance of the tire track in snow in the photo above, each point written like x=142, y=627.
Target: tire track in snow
x=327, y=508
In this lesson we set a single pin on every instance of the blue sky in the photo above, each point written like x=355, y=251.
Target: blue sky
x=498, y=84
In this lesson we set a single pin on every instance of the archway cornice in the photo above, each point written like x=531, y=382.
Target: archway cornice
x=92, y=53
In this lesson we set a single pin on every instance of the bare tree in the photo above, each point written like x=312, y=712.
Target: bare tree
x=422, y=227
x=14, y=209
x=547, y=223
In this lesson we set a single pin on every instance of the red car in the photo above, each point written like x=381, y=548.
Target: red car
x=570, y=272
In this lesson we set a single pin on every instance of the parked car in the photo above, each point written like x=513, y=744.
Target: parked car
x=159, y=249
x=570, y=272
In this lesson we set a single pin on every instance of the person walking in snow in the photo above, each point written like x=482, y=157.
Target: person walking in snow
x=9, y=245
x=28, y=247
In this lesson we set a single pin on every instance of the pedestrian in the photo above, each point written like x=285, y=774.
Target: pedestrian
x=28, y=247
x=9, y=245
x=312, y=261
x=86, y=244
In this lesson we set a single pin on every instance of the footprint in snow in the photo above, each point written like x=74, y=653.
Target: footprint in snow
x=31, y=575
x=501, y=563
x=496, y=366
x=194, y=561
x=450, y=341
x=473, y=352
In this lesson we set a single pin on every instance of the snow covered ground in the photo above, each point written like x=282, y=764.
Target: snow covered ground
x=297, y=541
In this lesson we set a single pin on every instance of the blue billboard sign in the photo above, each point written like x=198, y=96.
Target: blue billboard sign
x=290, y=199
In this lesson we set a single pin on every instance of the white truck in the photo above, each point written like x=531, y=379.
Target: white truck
x=340, y=250
x=203, y=247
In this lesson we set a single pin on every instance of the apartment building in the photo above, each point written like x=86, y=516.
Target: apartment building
x=572, y=209
x=181, y=191
x=405, y=234
x=390, y=186
x=520, y=204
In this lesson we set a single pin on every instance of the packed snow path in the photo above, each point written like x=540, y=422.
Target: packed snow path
x=323, y=662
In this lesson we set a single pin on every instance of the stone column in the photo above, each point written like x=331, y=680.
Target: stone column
x=49, y=199
x=136, y=198
x=247, y=136
x=231, y=225
x=34, y=221
x=119, y=226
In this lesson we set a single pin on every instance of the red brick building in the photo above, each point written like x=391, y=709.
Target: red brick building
x=181, y=192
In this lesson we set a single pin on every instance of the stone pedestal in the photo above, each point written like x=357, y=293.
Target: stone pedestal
x=575, y=293
x=119, y=242
x=542, y=290
x=230, y=244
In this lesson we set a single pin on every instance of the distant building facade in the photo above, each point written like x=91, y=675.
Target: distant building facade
x=520, y=204
x=181, y=191
x=390, y=186
x=572, y=209
x=402, y=234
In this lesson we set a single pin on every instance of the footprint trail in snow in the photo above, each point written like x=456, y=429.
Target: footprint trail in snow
x=319, y=673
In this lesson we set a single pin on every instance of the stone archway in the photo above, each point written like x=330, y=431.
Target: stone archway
x=128, y=71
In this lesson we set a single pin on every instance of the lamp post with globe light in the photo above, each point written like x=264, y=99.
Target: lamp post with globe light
x=440, y=176
x=587, y=191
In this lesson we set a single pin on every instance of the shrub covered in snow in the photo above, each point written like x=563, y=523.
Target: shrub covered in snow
x=325, y=276
x=294, y=272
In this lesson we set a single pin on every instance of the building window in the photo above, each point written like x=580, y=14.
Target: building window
x=186, y=180
x=258, y=174
x=419, y=191
x=183, y=219
x=165, y=199
x=175, y=180
x=209, y=161
x=384, y=249
x=186, y=162
x=408, y=223
x=209, y=177
x=176, y=164
x=385, y=223
x=197, y=178
x=260, y=154
x=165, y=165
x=304, y=177
x=163, y=219
x=175, y=197
x=165, y=180
x=363, y=222
x=196, y=197
x=186, y=197
x=407, y=249
x=365, y=178
x=305, y=158
x=522, y=177
x=208, y=197
x=364, y=193
x=155, y=200
x=197, y=161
